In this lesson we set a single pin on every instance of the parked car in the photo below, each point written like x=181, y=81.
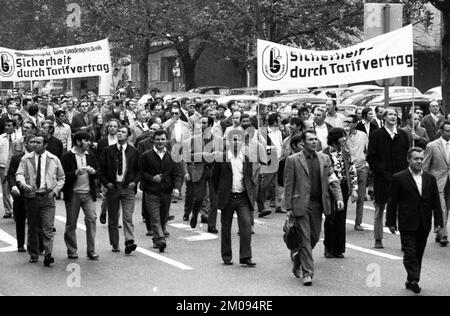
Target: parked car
x=254, y=91
x=434, y=93
x=53, y=87
x=212, y=90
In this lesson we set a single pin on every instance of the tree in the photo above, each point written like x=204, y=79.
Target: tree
x=186, y=26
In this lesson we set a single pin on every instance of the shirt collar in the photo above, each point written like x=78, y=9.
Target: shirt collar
x=76, y=153
x=124, y=146
x=391, y=133
x=414, y=174
x=444, y=141
x=159, y=152
x=309, y=154
x=231, y=155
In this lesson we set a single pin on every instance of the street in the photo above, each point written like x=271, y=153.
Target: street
x=192, y=266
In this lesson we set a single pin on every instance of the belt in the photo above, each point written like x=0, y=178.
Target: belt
x=236, y=195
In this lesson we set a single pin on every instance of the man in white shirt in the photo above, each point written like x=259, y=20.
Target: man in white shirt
x=321, y=127
x=63, y=132
x=334, y=118
x=358, y=143
x=233, y=180
x=269, y=173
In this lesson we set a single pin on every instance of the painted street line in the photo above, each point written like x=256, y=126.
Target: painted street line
x=174, y=263
x=7, y=238
x=369, y=208
x=201, y=237
x=373, y=252
x=143, y=251
x=368, y=227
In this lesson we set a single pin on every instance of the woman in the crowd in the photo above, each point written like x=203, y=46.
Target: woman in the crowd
x=345, y=171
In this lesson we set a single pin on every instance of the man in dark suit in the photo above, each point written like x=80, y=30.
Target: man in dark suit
x=414, y=199
x=367, y=125
x=82, y=121
x=235, y=180
x=386, y=155
x=197, y=171
x=433, y=121
x=80, y=192
x=110, y=140
x=309, y=181
x=55, y=146
x=161, y=176
x=120, y=174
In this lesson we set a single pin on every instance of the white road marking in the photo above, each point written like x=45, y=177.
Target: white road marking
x=373, y=252
x=174, y=263
x=201, y=237
x=143, y=251
x=369, y=208
x=368, y=227
x=7, y=238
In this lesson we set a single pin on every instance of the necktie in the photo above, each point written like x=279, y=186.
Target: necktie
x=38, y=174
x=120, y=162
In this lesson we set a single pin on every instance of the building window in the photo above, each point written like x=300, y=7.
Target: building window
x=155, y=71
x=167, y=64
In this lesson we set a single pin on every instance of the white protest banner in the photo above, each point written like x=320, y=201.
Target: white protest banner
x=84, y=60
x=386, y=56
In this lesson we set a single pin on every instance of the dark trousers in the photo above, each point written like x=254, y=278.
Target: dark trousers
x=41, y=218
x=413, y=244
x=20, y=215
x=195, y=194
x=145, y=214
x=335, y=226
x=240, y=204
x=158, y=206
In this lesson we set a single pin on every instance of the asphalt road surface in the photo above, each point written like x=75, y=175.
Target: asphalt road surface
x=192, y=266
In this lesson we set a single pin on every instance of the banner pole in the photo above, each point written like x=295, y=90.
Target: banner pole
x=413, y=109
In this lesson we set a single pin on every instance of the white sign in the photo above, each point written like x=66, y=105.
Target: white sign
x=385, y=56
x=74, y=18
x=84, y=60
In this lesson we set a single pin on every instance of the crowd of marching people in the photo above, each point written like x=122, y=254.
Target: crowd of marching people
x=309, y=162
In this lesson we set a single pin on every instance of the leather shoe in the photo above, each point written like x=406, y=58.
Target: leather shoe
x=186, y=218
x=93, y=256
x=130, y=248
x=103, y=219
x=339, y=256
x=307, y=281
x=280, y=211
x=166, y=234
x=213, y=230
x=263, y=214
x=72, y=257
x=328, y=254
x=34, y=260
x=444, y=242
x=115, y=249
x=359, y=228
x=437, y=239
x=48, y=261
x=21, y=249
x=413, y=286
x=162, y=246
x=6, y=216
x=247, y=262
x=378, y=244
x=170, y=218
x=149, y=234
x=228, y=262
x=155, y=246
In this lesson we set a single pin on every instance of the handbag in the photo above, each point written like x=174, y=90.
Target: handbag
x=291, y=234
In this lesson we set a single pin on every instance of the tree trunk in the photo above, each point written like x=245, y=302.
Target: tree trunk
x=189, y=65
x=445, y=81
x=143, y=67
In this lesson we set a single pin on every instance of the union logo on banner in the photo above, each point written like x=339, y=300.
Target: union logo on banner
x=275, y=63
x=6, y=64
